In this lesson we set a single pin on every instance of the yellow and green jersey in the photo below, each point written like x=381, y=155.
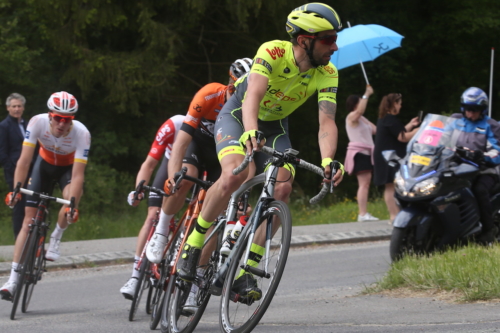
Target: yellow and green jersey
x=287, y=88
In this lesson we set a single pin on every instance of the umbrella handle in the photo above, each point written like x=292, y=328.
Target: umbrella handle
x=361, y=63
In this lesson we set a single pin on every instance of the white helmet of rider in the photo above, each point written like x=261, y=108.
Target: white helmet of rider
x=239, y=68
x=63, y=102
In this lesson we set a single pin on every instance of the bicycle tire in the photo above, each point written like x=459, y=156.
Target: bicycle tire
x=26, y=258
x=142, y=283
x=235, y=316
x=180, y=321
x=35, y=272
x=162, y=284
x=149, y=297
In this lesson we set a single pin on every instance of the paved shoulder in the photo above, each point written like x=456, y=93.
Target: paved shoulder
x=101, y=251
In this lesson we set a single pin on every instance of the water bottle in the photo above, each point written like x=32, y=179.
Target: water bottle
x=226, y=246
x=235, y=233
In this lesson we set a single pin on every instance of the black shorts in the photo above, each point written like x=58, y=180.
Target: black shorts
x=229, y=128
x=201, y=153
x=362, y=163
x=43, y=179
x=155, y=200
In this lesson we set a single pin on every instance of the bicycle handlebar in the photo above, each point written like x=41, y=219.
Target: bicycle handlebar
x=141, y=187
x=43, y=196
x=290, y=157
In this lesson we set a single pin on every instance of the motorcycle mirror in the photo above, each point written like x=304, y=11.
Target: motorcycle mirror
x=391, y=157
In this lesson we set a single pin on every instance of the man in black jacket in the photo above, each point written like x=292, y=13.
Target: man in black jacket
x=12, y=131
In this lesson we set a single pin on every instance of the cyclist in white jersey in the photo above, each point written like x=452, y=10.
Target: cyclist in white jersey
x=64, y=148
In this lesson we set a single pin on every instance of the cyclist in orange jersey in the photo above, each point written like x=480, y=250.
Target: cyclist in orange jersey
x=194, y=148
x=64, y=148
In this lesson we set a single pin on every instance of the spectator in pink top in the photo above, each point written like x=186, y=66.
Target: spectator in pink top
x=359, y=157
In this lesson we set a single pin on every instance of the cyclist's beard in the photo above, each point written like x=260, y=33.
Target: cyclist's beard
x=312, y=58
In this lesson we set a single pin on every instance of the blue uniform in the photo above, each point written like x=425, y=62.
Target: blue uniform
x=483, y=135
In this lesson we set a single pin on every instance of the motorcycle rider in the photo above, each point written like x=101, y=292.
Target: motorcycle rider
x=480, y=136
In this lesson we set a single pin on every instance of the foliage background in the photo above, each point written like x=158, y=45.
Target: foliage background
x=133, y=64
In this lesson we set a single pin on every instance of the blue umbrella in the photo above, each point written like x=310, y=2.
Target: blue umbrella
x=364, y=43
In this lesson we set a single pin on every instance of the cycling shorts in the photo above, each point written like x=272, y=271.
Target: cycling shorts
x=229, y=128
x=43, y=179
x=201, y=154
x=154, y=199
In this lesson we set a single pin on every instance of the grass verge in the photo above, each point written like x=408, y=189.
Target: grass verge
x=470, y=272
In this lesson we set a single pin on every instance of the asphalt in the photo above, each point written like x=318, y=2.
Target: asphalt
x=120, y=250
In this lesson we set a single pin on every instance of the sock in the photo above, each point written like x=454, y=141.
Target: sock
x=135, y=272
x=197, y=237
x=256, y=254
x=14, y=276
x=163, y=226
x=58, y=232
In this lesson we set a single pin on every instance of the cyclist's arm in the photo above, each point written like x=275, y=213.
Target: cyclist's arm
x=328, y=132
x=257, y=86
x=179, y=149
x=77, y=178
x=147, y=169
x=23, y=164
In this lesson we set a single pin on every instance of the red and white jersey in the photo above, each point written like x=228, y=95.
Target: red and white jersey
x=165, y=137
x=63, y=151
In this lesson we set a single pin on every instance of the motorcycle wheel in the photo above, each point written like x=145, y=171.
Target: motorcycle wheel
x=400, y=243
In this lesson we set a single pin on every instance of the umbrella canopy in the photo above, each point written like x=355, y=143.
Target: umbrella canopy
x=363, y=43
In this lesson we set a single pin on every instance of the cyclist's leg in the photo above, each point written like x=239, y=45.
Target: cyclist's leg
x=276, y=134
x=171, y=206
x=230, y=154
x=63, y=175
x=154, y=204
x=35, y=184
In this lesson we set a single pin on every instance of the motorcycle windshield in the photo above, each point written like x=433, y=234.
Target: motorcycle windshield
x=432, y=144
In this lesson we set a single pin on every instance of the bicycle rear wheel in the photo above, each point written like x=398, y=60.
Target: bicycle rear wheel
x=142, y=284
x=158, y=297
x=23, y=268
x=179, y=319
x=34, y=272
x=239, y=315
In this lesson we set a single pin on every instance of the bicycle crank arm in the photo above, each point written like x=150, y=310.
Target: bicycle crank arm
x=256, y=271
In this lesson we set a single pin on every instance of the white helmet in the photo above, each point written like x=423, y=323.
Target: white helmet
x=239, y=68
x=63, y=102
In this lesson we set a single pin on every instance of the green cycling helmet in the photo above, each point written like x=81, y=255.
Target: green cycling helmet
x=313, y=18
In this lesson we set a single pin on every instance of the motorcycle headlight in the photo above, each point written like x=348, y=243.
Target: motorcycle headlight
x=426, y=187
x=399, y=184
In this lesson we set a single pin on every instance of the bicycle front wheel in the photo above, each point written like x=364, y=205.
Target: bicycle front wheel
x=34, y=272
x=239, y=314
x=142, y=284
x=24, y=267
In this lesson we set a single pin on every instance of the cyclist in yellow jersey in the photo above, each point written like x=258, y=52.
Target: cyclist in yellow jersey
x=283, y=76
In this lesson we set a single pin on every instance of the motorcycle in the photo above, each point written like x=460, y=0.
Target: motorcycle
x=433, y=190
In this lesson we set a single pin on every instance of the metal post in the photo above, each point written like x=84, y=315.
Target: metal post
x=491, y=81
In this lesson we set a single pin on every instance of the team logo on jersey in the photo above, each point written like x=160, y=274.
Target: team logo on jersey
x=329, y=69
x=27, y=136
x=197, y=108
x=217, y=94
x=281, y=96
x=331, y=90
x=276, y=52
x=264, y=63
x=154, y=151
x=162, y=132
x=86, y=153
